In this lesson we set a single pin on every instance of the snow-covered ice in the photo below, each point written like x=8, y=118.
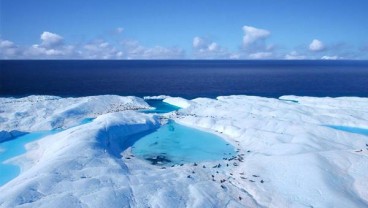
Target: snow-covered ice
x=287, y=155
x=177, y=101
x=35, y=113
x=158, y=97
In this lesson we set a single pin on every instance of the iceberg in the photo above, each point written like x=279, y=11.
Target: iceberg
x=287, y=153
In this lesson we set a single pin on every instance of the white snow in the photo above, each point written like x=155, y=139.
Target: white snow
x=302, y=162
x=35, y=113
x=287, y=157
x=178, y=101
x=158, y=97
x=77, y=167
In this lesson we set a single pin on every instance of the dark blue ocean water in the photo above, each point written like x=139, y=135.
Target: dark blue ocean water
x=184, y=78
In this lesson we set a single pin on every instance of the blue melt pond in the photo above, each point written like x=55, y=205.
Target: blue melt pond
x=86, y=120
x=160, y=107
x=350, y=129
x=15, y=147
x=176, y=144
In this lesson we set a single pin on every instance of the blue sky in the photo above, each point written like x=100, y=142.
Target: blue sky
x=183, y=29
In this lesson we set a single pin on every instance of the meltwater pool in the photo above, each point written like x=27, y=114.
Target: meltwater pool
x=176, y=144
x=350, y=129
x=13, y=148
x=159, y=107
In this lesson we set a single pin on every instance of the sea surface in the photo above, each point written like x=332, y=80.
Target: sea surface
x=185, y=78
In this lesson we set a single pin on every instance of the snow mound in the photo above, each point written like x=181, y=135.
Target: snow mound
x=178, y=101
x=158, y=97
x=36, y=113
x=300, y=161
x=78, y=167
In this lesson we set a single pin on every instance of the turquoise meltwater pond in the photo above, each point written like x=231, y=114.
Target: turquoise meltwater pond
x=350, y=129
x=160, y=107
x=16, y=147
x=176, y=144
x=13, y=148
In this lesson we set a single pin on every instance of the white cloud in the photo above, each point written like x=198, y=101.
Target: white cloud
x=6, y=44
x=252, y=35
x=100, y=49
x=51, y=39
x=9, y=50
x=330, y=57
x=39, y=51
x=294, y=56
x=119, y=54
x=159, y=52
x=316, y=45
x=253, y=46
x=53, y=46
x=134, y=50
x=206, y=49
x=119, y=30
x=198, y=42
x=104, y=45
x=260, y=55
x=213, y=47
x=234, y=56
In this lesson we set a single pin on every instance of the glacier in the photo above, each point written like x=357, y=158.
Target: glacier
x=288, y=154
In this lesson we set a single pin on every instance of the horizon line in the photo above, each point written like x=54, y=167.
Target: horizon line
x=257, y=60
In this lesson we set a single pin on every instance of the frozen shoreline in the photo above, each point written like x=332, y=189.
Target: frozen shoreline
x=290, y=157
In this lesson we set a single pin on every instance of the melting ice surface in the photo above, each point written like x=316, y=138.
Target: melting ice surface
x=15, y=147
x=160, y=107
x=86, y=120
x=350, y=129
x=174, y=143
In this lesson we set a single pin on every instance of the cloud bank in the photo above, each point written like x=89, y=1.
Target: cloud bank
x=206, y=49
x=254, y=45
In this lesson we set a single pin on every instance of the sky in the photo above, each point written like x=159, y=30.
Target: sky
x=184, y=29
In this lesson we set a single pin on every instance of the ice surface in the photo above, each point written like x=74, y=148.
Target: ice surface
x=286, y=155
x=37, y=113
x=178, y=101
x=14, y=148
x=77, y=166
x=158, y=97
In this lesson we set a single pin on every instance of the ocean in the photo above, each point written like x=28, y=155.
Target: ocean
x=185, y=78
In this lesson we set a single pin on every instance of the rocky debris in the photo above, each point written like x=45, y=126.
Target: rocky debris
x=158, y=160
x=217, y=166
